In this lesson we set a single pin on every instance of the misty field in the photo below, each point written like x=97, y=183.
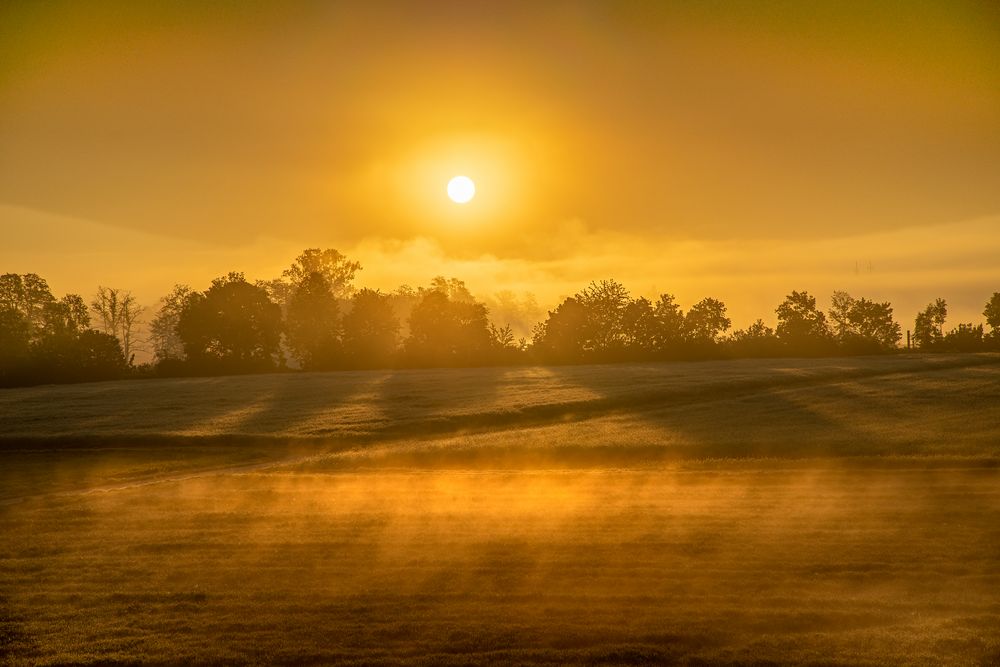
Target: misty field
x=829, y=511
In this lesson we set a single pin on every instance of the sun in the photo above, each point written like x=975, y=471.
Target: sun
x=461, y=189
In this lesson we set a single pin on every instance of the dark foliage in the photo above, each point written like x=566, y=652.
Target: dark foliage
x=444, y=332
x=312, y=324
x=370, y=331
x=314, y=313
x=45, y=340
x=233, y=327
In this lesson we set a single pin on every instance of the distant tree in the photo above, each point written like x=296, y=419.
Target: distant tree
x=872, y=326
x=757, y=340
x=802, y=327
x=840, y=315
x=336, y=269
x=928, y=329
x=705, y=321
x=639, y=326
x=605, y=304
x=370, y=330
x=27, y=294
x=118, y=314
x=863, y=326
x=101, y=356
x=233, y=327
x=312, y=324
x=992, y=315
x=86, y=356
x=506, y=349
x=447, y=333
x=15, y=347
x=403, y=300
x=669, y=335
x=564, y=335
x=167, y=343
x=964, y=338
x=67, y=316
x=453, y=288
x=520, y=312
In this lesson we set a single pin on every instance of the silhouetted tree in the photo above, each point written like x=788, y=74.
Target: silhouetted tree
x=118, y=314
x=27, y=294
x=453, y=288
x=233, y=327
x=605, y=303
x=863, y=326
x=68, y=316
x=563, y=337
x=167, y=343
x=669, y=332
x=802, y=327
x=403, y=300
x=757, y=340
x=78, y=356
x=928, y=329
x=639, y=326
x=312, y=324
x=840, y=315
x=370, y=330
x=992, y=315
x=704, y=323
x=447, y=333
x=15, y=347
x=505, y=349
x=964, y=338
x=331, y=264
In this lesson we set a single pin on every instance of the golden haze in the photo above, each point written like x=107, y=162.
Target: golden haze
x=738, y=152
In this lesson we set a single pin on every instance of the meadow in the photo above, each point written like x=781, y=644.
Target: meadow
x=822, y=511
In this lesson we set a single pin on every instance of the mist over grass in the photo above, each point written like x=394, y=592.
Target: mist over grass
x=841, y=511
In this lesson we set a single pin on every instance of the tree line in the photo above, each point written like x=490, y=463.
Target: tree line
x=313, y=318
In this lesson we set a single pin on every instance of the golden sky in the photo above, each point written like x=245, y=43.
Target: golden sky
x=738, y=150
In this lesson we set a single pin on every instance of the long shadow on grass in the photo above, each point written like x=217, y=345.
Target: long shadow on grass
x=853, y=413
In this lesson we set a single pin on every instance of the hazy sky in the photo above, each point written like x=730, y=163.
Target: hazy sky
x=738, y=150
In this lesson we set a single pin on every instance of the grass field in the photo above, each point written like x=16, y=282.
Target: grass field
x=842, y=511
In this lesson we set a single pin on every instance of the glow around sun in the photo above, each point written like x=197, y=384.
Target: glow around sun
x=461, y=189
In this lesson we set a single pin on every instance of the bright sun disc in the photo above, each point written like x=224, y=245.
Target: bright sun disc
x=461, y=189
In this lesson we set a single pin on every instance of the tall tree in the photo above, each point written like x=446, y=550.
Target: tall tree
x=605, y=303
x=669, y=325
x=872, y=326
x=705, y=321
x=639, y=326
x=336, y=269
x=167, y=343
x=453, y=288
x=232, y=327
x=802, y=327
x=840, y=315
x=928, y=329
x=29, y=295
x=15, y=347
x=992, y=315
x=447, y=333
x=118, y=314
x=863, y=326
x=370, y=330
x=565, y=334
x=312, y=324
